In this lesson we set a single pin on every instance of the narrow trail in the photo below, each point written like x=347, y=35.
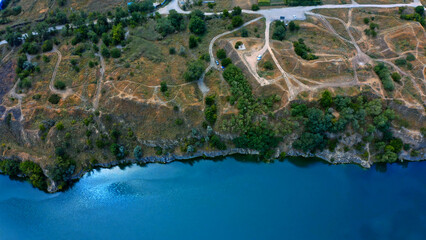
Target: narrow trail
x=63, y=93
x=100, y=82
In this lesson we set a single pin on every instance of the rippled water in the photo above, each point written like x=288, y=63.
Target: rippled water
x=228, y=199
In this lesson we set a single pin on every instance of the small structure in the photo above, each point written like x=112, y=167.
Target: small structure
x=241, y=47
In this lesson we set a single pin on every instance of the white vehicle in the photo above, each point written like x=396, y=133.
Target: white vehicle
x=259, y=57
x=294, y=17
x=217, y=62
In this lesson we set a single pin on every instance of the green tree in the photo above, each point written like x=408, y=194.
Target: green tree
x=193, y=41
x=237, y=21
x=279, y=31
x=118, y=34
x=326, y=100
x=137, y=152
x=221, y=53
x=34, y=173
x=115, y=53
x=47, y=46
x=197, y=25
x=194, y=71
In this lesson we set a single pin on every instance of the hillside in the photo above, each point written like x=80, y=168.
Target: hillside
x=99, y=84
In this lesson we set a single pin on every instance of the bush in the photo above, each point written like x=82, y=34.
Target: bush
x=172, y=51
x=226, y=62
x=25, y=83
x=236, y=11
x=366, y=20
x=279, y=31
x=238, y=44
x=237, y=21
x=193, y=41
x=217, y=143
x=268, y=65
x=60, y=85
x=163, y=87
x=396, y=77
x=400, y=62
x=46, y=59
x=244, y=32
x=47, y=46
x=383, y=72
x=410, y=57
x=54, y=99
x=221, y=54
x=303, y=51
x=10, y=167
x=197, y=25
x=137, y=152
x=179, y=121
x=105, y=52
x=34, y=173
x=115, y=53
x=255, y=7
x=60, y=126
x=293, y=26
x=194, y=71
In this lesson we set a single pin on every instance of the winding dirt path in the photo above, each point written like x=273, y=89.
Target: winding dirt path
x=100, y=82
x=63, y=93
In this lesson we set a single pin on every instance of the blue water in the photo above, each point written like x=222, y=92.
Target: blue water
x=228, y=199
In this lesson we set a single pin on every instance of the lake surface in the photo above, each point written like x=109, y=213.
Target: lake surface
x=226, y=199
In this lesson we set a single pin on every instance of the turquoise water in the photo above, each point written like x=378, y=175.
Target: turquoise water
x=226, y=199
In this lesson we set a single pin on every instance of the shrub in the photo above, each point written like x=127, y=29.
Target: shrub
x=237, y=21
x=46, y=59
x=25, y=83
x=293, y=26
x=217, y=143
x=137, y=152
x=221, y=54
x=236, y=11
x=226, y=62
x=60, y=126
x=194, y=71
x=383, y=72
x=400, y=62
x=10, y=167
x=193, y=41
x=366, y=20
x=60, y=85
x=255, y=7
x=47, y=46
x=396, y=77
x=172, y=51
x=34, y=173
x=197, y=25
x=268, y=65
x=54, y=99
x=244, y=32
x=179, y=121
x=105, y=52
x=279, y=31
x=303, y=51
x=238, y=44
x=115, y=53
x=163, y=87
x=410, y=57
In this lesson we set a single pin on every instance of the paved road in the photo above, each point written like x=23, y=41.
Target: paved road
x=298, y=13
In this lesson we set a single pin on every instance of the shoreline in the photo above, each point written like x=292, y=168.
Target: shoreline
x=331, y=158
